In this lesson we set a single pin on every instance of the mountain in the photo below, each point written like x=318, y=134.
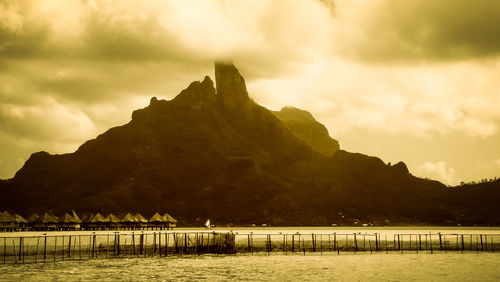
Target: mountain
x=212, y=152
x=308, y=129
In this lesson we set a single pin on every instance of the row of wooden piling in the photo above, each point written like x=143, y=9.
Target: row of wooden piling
x=74, y=246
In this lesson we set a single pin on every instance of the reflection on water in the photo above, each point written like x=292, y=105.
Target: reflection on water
x=449, y=267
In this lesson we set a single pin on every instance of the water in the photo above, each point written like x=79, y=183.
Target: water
x=393, y=266
x=344, y=267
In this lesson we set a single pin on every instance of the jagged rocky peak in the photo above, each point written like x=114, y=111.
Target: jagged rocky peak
x=230, y=84
x=196, y=95
x=198, y=92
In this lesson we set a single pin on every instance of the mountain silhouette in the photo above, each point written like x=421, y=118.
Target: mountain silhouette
x=212, y=152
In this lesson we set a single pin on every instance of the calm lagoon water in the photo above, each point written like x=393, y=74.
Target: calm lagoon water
x=364, y=266
x=326, y=267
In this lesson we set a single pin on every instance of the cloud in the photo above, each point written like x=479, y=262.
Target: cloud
x=438, y=170
x=71, y=69
x=424, y=30
x=418, y=100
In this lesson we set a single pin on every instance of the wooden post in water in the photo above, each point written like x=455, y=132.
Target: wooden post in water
x=55, y=247
x=159, y=243
x=321, y=243
x=107, y=245
x=45, y=247
x=251, y=239
x=4, y=249
x=154, y=243
x=80, y=246
x=94, y=253
x=430, y=241
x=141, y=243
x=355, y=243
x=376, y=242
x=133, y=244
x=463, y=244
x=485, y=243
x=118, y=243
x=313, y=237
x=335, y=241
x=36, y=255
x=440, y=242
x=15, y=253
x=90, y=246
x=166, y=244
x=267, y=243
x=481, y=237
x=303, y=247
x=20, y=248
x=409, y=248
x=385, y=236
x=286, y=244
x=69, y=247
x=145, y=245
x=249, y=249
x=63, y=247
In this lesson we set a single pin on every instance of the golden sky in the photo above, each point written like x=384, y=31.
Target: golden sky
x=407, y=80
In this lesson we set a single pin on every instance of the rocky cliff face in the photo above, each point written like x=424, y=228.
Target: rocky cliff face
x=308, y=129
x=213, y=152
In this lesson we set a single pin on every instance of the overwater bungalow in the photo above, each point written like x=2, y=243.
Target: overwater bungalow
x=113, y=222
x=97, y=222
x=156, y=221
x=141, y=220
x=10, y=222
x=32, y=219
x=7, y=222
x=170, y=222
x=76, y=217
x=128, y=222
x=46, y=222
x=20, y=222
x=68, y=222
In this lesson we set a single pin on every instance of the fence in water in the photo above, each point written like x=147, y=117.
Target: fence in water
x=74, y=246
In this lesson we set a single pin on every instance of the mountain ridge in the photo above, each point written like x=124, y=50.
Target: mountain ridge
x=213, y=152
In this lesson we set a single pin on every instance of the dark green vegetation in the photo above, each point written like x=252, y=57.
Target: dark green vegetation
x=214, y=153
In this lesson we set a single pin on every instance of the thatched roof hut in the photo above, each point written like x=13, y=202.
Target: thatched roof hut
x=86, y=217
x=19, y=219
x=156, y=218
x=76, y=217
x=111, y=218
x=33, y=218
x=128, y=218
x=169, y=218
x=139, y=218
x=98, y=218
x=6, y=217
x=67, y=218
x=47, y=219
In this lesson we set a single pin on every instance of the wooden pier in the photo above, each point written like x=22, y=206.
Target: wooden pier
x=125, y=244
